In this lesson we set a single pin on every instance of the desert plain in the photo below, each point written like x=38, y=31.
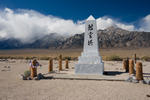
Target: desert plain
x=12, y=87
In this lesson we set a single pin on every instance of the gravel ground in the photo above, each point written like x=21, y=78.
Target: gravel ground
x=13, y=88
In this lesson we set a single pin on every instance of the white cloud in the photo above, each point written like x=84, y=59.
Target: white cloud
x=27, y=25
x=145, y=24
x=105, y=22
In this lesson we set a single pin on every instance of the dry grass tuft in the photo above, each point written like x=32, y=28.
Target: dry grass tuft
x=113, y=58
x=145, y=58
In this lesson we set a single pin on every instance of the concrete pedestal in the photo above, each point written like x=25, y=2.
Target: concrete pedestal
x=89, y=69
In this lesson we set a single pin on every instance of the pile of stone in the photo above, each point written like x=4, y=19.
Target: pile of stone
x=38, y=77
x=133, y=79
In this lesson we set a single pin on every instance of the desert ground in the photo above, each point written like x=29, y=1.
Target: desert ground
x=12, y=87
x=122, y=52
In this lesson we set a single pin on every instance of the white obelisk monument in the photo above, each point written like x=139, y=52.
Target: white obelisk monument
x=90, y=61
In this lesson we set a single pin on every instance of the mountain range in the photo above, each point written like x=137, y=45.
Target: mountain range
x=112, y=37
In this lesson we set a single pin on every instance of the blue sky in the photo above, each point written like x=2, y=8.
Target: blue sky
x=124, y=10
x=29, y=19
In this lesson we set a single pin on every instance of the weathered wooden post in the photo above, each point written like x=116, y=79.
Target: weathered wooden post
x=127, y=70
x=50, y=67
x=126, y=65
x=67, y=64
x=60, y=62
x=33, y=72
x=131, y=66
x=135, y=58
x=139, y=71
x=34, y=69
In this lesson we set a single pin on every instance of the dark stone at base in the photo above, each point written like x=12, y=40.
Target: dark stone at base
x=39, y=76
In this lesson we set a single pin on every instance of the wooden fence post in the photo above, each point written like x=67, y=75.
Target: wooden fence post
x=67, y=64
x=33, y=69
x=60, y=62
x=131, y=66
x=135, y=58
x=50, y=67
x=139, y=71
x=126, y=65
x=33, y=72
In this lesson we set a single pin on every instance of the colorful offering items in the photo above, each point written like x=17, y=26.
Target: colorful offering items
x=34, y=64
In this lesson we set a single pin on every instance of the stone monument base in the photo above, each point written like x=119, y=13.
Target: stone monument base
x=89, y=69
